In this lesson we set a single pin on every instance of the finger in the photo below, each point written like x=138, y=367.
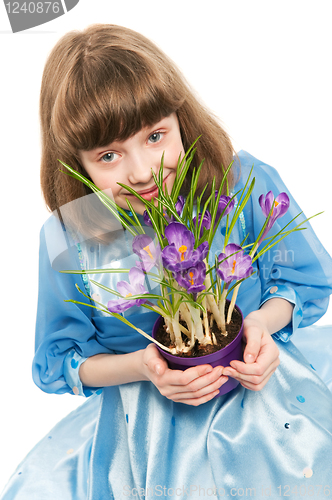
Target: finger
x=175, y=381
x=154, y=360
x=199, y=401
x=255, y=380
x=268, y=355
x=256, y=387
x=253, y=337
x=196, y=389
x=198, y=396
x=258, y=373
x=185, y=378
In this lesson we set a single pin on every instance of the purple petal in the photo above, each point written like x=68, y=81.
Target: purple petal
x=193, y=278
x=136, y=277
x=201, y=252
x=180, y=235
x=224, y=201
x=177, y=266
x=206, y=221
x=149, y=254
x=179, y=254
x=139, y=242
x=179, y=205
x=170, y=257
x=120, y=305
x=266, y=203
x=172, y=262
x=125, y=288
x=146, y=218
x=234, y=267
x=135, y=287
x=281, y=205
x=230, y=249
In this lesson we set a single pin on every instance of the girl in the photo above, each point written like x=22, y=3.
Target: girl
x=111, y=104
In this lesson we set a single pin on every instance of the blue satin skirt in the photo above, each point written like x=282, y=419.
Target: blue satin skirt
x=131, y=442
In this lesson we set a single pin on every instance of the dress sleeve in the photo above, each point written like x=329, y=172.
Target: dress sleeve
x=65, y=334
x=298, y=268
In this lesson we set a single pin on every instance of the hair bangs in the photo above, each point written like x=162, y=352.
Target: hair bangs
x=113, y=104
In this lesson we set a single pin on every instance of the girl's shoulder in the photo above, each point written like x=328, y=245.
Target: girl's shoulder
x=244, y=162
x=53, y=237
x=266, y=177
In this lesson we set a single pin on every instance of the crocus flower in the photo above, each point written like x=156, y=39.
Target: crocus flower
x=206, y=221
x=280, y=207
x=178, y=207
x=192, y=279
x=146, y=218
x=234, y=264
x=180, y=254
x=224, y=201
x=135, y=287
x=148, y=252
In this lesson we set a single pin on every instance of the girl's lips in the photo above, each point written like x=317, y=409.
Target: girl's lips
x=152, y=193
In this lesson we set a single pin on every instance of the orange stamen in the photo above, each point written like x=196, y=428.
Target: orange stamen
x=276, y=203
x=233, y=268
x=182, y=251
x=129, y=295
x=148, y=251
x=191, y=274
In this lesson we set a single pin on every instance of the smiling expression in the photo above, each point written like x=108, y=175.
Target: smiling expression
x=131, y=161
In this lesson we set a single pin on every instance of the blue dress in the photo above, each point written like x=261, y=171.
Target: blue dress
x=128, y=440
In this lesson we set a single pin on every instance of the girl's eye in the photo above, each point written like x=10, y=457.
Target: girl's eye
x=109, y=157
x=155, y=137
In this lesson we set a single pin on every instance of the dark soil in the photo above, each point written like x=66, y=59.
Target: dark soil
x=232, y=329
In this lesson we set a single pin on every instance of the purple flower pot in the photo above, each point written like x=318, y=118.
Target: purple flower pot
x=222, y=357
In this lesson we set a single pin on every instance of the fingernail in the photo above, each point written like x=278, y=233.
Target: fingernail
x=157, y=369
x=223, y=379
x=250, y=358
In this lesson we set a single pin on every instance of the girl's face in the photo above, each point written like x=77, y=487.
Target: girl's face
x=131, y=161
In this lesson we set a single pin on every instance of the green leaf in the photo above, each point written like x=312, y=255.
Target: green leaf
x=96, y=271
x=117, y=211
x=240, y=207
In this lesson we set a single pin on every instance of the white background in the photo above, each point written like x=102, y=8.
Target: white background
x=264, y=67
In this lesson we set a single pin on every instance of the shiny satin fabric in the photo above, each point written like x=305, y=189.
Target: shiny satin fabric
x=131, y=442
x=241, y=440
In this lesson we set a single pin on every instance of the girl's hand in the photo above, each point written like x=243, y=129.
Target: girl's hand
x=261, y=355
x=194, y=386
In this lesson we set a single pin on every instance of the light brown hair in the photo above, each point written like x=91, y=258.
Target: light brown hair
x=105, y=83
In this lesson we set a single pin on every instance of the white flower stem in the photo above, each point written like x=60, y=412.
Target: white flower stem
x=176, y=328
x=171, y=351
x=212, y=303
x=169, y=329
x=206, y=321
x=186, y=316
x=215, y=311
x=179, y=345
x=253, y=250
x=232, y=304
x=221, y=306
x=195, y=314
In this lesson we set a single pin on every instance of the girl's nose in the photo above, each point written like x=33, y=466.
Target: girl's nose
x=141, y=167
